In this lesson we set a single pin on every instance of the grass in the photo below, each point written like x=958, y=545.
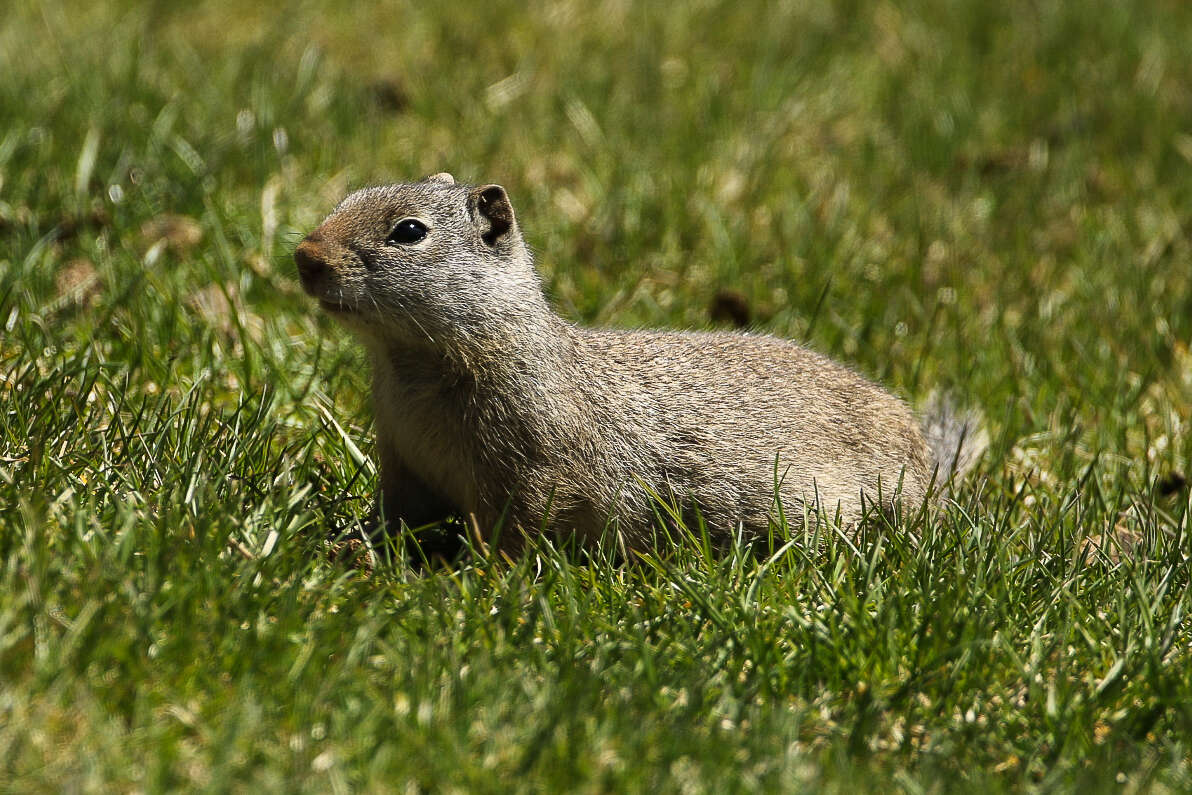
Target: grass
x=991, y=199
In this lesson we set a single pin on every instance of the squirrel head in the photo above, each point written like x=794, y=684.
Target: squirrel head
x=430, y=263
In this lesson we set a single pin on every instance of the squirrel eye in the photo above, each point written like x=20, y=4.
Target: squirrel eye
x=408, y=230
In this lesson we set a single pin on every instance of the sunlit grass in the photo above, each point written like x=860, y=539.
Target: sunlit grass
x=992, y=200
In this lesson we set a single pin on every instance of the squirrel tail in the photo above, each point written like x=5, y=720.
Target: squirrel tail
x=956, y=437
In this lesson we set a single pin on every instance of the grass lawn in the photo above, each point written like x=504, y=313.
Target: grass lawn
x=994, y=199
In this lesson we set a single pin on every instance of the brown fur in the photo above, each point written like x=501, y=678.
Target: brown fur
x=490, y=404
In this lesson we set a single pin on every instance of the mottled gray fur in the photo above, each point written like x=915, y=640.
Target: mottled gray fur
x=489, y=404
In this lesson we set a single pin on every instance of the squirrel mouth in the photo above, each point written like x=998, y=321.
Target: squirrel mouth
x=332, y=306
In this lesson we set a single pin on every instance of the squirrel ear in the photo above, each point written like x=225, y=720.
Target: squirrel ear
x=442, y=176
x=491, y=212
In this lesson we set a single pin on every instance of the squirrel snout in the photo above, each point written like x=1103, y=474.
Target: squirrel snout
x=311, y=262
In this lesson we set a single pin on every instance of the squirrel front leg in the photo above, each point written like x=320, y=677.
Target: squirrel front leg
x=405, y=498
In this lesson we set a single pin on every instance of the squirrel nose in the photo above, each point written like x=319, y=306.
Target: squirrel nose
x=310, y=262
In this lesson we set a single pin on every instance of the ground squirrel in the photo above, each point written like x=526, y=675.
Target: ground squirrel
x=490, y=405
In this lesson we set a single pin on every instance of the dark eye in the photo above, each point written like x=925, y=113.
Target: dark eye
x=408, y=230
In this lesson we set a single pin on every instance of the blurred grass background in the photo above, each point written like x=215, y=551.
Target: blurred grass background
x=993, y=199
